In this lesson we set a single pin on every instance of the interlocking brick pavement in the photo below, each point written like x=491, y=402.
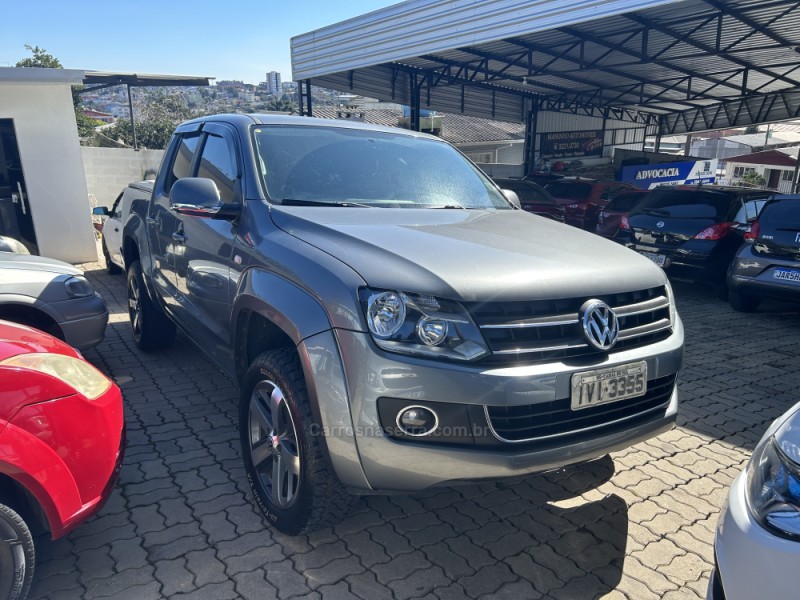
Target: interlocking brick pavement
x=636, y=525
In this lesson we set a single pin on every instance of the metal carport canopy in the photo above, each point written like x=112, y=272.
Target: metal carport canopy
x=690, y=65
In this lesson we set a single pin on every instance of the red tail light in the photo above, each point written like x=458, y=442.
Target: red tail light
x=715, y=232
x=753, y=231
x=623, y=224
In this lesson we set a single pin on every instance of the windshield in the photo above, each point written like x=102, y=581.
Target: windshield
x=687, y=204
x=569, y=190
x=350, y=167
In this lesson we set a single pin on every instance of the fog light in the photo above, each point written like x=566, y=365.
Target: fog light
x=431, y=332
x=417, y=420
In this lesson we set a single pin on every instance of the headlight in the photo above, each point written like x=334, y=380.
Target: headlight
x=78, y=287
x=79, y=374
x=773, y=480
x=421, y=325
x=9, y=244
x=672, y=308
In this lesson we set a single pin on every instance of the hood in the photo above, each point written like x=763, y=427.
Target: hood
x=19, y=339
x=470, y=255
x=36, y=263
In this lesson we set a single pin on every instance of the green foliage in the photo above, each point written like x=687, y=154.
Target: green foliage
x=150, y=133
x=40, y=58
x=156, y=120
x=753, y=178
x=751, y=129
x=86, y=124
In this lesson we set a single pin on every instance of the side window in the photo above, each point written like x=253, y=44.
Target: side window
x=116, y=208
x=182, y=162
x=218, y=163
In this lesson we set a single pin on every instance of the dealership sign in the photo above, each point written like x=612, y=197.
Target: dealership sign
x=569, y=144
x=690, y=172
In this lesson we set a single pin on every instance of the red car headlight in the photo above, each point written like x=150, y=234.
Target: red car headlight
x=75, y=372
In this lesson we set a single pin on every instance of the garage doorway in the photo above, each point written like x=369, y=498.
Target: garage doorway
x=15, y=210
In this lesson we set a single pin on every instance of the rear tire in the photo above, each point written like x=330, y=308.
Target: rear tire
x=742, y=301
x=17, y=555
x=110, y=266
x=151, y=328
x=291, y=480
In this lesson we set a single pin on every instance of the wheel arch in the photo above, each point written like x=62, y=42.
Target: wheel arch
x=271, y=312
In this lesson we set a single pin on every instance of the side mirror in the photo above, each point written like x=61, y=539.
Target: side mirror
x=512, y=197
x=199, y=197
x=100, y=211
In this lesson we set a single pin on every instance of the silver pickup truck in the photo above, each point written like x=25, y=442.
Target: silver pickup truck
x=393, y=320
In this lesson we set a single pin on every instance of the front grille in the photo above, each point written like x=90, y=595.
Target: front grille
x=530, y=332
x=547, y=419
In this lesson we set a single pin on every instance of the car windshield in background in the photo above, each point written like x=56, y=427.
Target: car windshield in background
x=570, y=190
x=526, y=192
x=338, y=166
x=625, y=201
x=685, y=204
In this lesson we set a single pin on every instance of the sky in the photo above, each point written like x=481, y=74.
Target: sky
x=237, y=39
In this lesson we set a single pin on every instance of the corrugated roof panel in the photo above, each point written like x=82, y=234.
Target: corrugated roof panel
x=420, y=27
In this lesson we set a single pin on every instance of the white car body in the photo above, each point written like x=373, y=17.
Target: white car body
x=118, y=215
x=751, y=561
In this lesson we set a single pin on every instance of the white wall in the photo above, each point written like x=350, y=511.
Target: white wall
x=109, y=170
x=47, y=136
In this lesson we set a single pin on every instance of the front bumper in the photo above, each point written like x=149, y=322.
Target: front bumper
x=751, y=562
x=388, y=464
x=82, y=320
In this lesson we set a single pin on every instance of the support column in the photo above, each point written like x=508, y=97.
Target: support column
x=531, y=123
x=133, y=123
x=415, y=103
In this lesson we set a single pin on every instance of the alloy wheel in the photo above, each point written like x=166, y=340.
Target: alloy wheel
x=273, y=444
x=135, y=306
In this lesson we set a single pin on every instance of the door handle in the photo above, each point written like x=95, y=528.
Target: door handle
x=152, y=220
x=21, y=199
x=179, y=238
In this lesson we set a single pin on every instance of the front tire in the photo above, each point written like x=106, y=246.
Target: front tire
x=742, y=301
x=151, y=328
x=110, y=266
x=290, y=478
x=17, y=555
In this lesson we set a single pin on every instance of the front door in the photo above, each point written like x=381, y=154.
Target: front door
x=774, y=178
x=203, y=275
x=15, y=211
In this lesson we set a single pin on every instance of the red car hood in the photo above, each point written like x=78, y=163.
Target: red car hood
x=18, y=339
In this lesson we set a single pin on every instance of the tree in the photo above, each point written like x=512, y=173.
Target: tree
x=40, y=58
x=157, y=118
x=753, y=178
x=751, y=129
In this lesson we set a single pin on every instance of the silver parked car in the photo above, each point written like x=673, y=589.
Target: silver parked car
x=53, y=296
x=394, y=320
x=114, y=220
x=757, y=546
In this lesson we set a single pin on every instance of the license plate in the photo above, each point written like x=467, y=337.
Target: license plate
x=659, y=259
x=592, y=388
x=786, y=274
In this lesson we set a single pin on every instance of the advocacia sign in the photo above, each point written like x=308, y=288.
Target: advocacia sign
x=692, y=172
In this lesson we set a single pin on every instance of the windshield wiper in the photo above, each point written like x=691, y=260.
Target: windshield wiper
x=302, y=202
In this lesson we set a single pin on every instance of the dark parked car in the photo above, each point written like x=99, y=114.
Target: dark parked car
x=611, y=215
x=583, y=198
x=770, y=266
x=692, y=232
x=534, y=198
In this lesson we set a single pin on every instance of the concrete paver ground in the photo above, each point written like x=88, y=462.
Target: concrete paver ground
x=638, y=524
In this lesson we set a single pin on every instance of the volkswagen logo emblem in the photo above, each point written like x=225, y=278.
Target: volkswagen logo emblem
x=600, y=324
x=660, y=224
